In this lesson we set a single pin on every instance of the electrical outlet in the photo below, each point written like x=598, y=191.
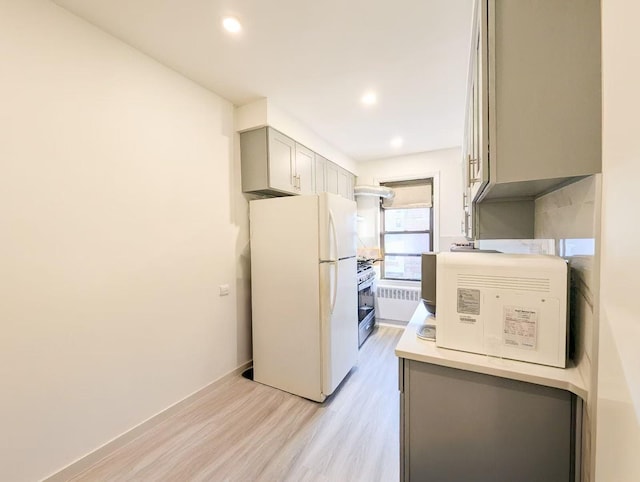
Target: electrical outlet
x=224, y=290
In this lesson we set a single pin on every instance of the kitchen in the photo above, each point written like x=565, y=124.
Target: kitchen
x=98, y=264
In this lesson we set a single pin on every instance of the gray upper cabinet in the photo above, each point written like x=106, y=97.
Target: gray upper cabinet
x=320, y=167
x=332, y=174
x=339, y=180
x=534, y=97
x=281, y=160
x=276, y=165
x=533, y=103
x=346, y=182
x=476, y=141
x=305, y=170
x=273, y=163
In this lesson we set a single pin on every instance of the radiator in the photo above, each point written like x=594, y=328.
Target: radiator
x=396, y=303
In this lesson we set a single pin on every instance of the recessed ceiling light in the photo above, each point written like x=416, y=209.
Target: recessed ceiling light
x=369, y=98
x=231, y=24
x=397, y=142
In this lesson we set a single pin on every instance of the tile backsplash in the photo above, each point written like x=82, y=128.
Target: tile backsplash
x=568, y=213
x=569, y=217
x=519, y=246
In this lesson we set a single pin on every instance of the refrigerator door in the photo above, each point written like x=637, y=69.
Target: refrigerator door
x=339, y=321
x=338, y=227
x=285, y=287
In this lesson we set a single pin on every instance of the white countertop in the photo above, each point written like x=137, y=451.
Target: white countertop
x=413, y=348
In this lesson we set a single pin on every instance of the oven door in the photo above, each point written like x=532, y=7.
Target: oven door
x=366, y=309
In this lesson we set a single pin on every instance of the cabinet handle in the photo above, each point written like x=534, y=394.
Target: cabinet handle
x=471, y=162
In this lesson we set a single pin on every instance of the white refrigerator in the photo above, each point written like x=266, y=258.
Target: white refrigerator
x=304, y=292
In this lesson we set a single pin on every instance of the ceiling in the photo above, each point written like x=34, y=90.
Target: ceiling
x=315, y=59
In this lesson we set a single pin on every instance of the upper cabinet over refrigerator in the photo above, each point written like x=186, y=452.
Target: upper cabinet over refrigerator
x=274, y=164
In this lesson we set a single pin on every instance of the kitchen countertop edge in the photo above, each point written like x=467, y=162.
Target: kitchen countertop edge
x=411, y=347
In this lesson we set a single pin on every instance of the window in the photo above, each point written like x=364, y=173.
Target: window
x=406, y=229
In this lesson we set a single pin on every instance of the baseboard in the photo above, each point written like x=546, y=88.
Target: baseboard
x=83, y=463
x=391, y=323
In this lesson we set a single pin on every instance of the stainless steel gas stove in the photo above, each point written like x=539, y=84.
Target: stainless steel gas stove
x=366, y=299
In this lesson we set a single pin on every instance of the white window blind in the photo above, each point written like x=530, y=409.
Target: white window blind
x=409, y=194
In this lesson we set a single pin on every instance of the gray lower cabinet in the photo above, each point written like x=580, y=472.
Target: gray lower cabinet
x=457, y=425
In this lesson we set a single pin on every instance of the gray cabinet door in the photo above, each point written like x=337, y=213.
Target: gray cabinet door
x=304, y=170
x=352, y=185
x=545, y=82
x=320, y=170
x=338, y=180
x=282, y=162
x=475, y=147
x=458, y=425
x=344, y=183
x=332, y=179
x=478, y=161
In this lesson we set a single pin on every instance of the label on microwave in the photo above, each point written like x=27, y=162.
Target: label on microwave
x=520, y=327
x=468, y=301
x=468, y=320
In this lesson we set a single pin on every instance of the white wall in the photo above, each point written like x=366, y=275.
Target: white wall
x=118, y=223
x=618, y=409
x=444, y=164
x=263, y=112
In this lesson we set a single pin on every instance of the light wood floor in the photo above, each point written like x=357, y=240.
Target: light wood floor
x=245, y=431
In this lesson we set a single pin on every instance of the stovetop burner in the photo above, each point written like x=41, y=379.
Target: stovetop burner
x=365, y=272
x=364, y=264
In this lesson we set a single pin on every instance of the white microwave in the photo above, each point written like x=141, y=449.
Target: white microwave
x=511, y=306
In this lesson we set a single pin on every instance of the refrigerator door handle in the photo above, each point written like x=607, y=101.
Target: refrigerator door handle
x=332, y=224
x=335, y=287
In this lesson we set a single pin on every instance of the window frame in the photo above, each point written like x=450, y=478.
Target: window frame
x=383, y=232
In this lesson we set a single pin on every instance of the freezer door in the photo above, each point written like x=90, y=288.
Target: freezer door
x=338, y=227
x=339, y=325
